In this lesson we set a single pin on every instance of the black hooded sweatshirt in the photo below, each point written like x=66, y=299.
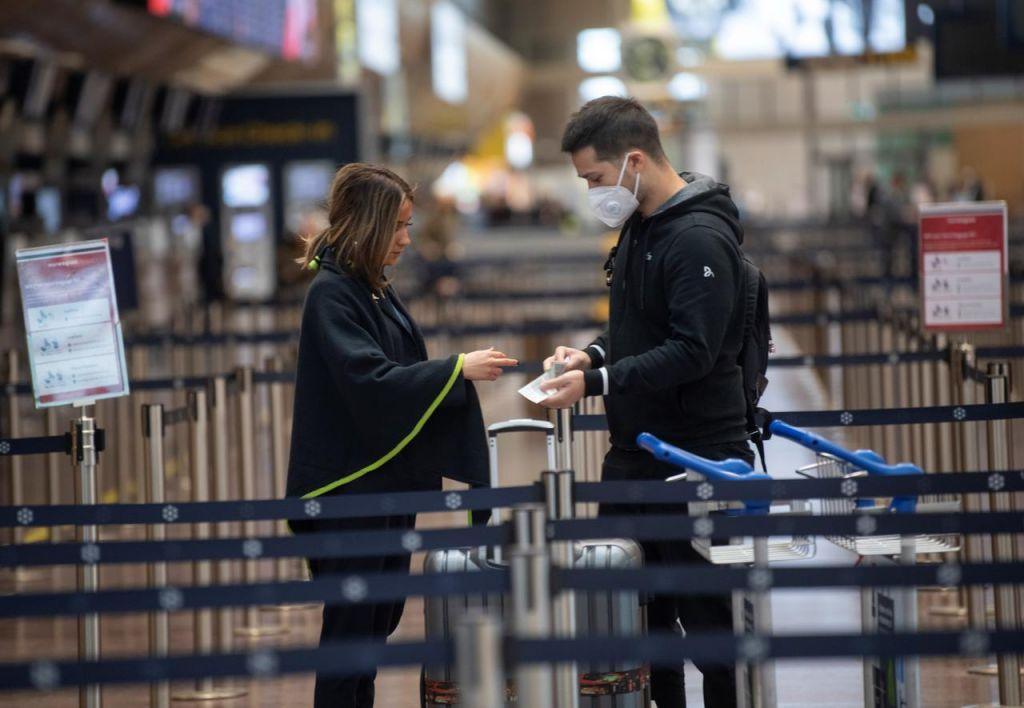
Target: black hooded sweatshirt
x=667, y=363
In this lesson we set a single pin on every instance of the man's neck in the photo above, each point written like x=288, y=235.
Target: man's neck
x=663, y=187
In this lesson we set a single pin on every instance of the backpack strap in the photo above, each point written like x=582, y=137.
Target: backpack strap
x=751, y=288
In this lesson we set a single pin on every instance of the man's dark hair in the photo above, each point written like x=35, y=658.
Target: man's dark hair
x=612, y=125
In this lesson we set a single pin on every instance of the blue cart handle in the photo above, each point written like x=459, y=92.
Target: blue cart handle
x=731, y=470
x=867, y=460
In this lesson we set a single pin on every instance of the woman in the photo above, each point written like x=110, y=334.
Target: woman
x=372, y=413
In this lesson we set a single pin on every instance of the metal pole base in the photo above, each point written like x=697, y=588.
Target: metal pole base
x=291, y=608
x=956, y=612
x=210, y=694
x=987, y=670
x=258, y=631
x=25, y=576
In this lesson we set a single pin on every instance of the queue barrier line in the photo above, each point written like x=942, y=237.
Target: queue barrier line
x=794, y=285
x=353, y=588
x=43, y=445
x=332, y=544
x=183, y=383
x=860, y=417
x=361, y=544
x=350, y=506
x=359, y=657
x=358, y=589
x=665, y=527
x=339, y=506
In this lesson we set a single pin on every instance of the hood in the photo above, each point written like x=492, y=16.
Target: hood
x=703, y=193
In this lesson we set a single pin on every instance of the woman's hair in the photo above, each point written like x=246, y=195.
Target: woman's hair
x=362, y=213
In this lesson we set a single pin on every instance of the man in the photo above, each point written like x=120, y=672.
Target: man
x=667, y=363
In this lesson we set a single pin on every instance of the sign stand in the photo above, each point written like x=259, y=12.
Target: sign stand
x=85, y=457
x=76, y=357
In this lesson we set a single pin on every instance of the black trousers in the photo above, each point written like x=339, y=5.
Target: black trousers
x=376, y=621
x=696, y=613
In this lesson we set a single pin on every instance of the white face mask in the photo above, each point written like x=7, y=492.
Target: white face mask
x=613, y=205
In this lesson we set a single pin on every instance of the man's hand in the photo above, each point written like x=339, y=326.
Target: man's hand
x=574, y=359
x=565, y=390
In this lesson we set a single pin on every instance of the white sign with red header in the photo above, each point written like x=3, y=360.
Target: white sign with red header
x=964, y=266
x=75, y=344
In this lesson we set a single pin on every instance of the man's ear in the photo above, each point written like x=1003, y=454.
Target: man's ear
x=637, y=160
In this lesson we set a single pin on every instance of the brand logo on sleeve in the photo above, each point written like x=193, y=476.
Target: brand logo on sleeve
x=708, y=273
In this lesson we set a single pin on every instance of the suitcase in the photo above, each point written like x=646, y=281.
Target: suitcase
x=597, y=613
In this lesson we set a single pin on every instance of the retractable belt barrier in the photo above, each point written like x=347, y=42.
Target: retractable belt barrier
x=530, y=327
x=364, y=544
x=182, y=383
x=355, y=658
x=386, y=587
x=853, y=418
x=631, y=492
x=46, y=444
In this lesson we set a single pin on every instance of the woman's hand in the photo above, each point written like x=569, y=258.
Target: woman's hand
x=485, y=365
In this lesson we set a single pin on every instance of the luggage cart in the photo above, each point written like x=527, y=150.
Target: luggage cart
x=755, y=680
x=887, y=682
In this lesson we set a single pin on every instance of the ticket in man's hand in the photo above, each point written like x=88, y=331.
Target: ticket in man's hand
x=532, y=392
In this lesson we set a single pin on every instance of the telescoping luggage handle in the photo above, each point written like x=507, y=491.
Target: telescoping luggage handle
x=867, y=460
x=516, y=425
x=731, y=470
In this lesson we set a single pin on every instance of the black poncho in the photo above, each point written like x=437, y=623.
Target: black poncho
x=372, y=413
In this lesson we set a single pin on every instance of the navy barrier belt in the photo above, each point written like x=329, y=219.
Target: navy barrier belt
x=354, y=544
x=349, y=506
x=181, y=383
x=355, y=657
x=356, y=589
x=36, y=446
x=362, y=544
x=336, y=506
x=854, y=417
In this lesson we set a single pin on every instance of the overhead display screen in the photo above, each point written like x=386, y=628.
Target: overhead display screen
x=802, y=29
x=287, y=28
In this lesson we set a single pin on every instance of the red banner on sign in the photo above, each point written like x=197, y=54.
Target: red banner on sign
x=963, y=266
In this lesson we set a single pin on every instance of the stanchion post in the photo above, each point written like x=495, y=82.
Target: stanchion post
x=159, y=620
x=137, y=368
x=123, y=443
x=961, y=357
x=479, y=662
x=198, y=416
x=253, y=627
x=218, y=401
x=531, y=601
x=564, y=437
x=762, y=673
x=558, y=489
x=15, y=480
x=279, y=445
x=85, y=458
x=53, y=470
x=1007, y=612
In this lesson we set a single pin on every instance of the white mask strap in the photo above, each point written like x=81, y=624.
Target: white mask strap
x=622, y=173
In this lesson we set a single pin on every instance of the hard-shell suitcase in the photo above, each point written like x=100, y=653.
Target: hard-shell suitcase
x=597, y=613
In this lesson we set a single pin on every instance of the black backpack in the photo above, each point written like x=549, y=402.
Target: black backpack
x=757, y=345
